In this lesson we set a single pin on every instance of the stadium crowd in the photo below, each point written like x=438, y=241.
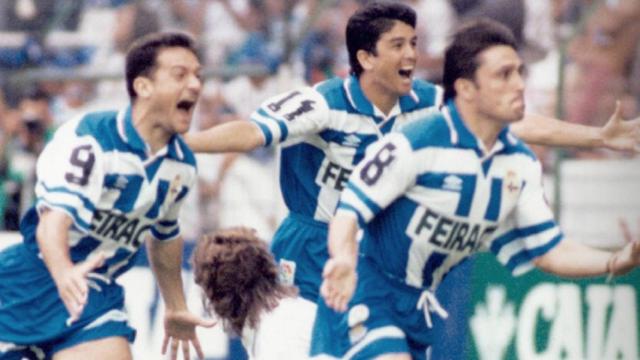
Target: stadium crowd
x=60, y=61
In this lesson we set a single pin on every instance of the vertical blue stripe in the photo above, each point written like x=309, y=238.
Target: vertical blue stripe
x=152, y=168
x=486, y=165
x=163, y=188
x=433, y=262
x=495, y=199
x=386, y=128
x=183, y=192
x=129, y=194
x=466, y=194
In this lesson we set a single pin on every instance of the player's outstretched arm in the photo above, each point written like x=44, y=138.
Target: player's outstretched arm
x=339, y=275
x=70, y=279
x=572, y=259
x=233, y=136
x=179, y=324
x=616, y=134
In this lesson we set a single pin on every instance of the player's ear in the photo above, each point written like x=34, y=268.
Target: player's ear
x=365, y=59
x=142, y=86
x=465, y=88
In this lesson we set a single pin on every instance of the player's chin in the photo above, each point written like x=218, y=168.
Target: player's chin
x=182, y=122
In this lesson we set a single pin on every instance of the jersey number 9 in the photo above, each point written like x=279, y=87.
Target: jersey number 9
x=82, y=158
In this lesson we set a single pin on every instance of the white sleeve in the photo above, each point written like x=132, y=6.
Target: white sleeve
x=291, y=115
x=530, y=230
x=385, y=173
x=70, y=176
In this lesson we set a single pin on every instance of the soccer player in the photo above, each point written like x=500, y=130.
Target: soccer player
x=106, y=182
x=324, y=131
x=427, y=197
x=239, y=278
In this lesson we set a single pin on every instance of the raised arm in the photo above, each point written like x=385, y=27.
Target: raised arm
x=616, y=134
x=234, y=136
x=572, y=259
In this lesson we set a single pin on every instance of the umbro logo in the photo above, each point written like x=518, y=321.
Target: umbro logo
x=121, y=182
x=453, y=183
x=351, y=140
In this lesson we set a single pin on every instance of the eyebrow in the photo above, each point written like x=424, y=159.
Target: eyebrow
x=400, y=39
x=184, y=67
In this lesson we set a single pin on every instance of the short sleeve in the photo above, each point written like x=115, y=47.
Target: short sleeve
x=530, y=230
x=385, y=173
x=291, y=115
x=70, y=176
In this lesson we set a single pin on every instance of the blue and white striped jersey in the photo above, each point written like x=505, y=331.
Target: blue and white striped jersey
x=431, y=195
x=323, y=132
x=97, y=170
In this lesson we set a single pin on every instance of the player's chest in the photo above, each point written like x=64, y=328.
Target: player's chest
x=145, y=189
x=480, y=196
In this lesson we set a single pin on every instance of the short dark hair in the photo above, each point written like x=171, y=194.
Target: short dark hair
x=461, y=56
x=368, y=23
x=239, y=277
x=143, y=53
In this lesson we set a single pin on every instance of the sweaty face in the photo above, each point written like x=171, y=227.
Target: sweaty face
x=177, y=84
x=395, y=60
x=500, y=84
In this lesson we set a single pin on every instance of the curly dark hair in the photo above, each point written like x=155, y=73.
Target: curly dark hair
x=239, y=277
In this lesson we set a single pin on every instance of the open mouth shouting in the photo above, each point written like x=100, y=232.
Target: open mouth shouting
x=406, y=73
x=185, y=107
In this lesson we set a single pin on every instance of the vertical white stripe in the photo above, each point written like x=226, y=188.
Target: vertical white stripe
x=452, y=129
x=120, y=125
x=347, y=90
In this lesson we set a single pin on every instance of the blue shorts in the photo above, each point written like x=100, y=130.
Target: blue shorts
x=381, y=319
x=300, y=247
x=33, y=319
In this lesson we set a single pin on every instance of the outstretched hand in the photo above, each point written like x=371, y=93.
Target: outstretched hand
x=339, y=283
x=73, y=287
x=628, y=258
x=619, y=134
x=180, y=330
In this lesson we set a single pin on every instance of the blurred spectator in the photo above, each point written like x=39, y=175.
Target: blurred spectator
x=24, y=133
x=135, y=19
x=10, y=181
x=603, y=53
x=31, y=23
x=437, y=19
x=73, y=100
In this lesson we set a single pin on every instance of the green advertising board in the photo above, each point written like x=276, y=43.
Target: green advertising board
x=540, y=316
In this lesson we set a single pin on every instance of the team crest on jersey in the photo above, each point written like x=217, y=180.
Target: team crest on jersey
x=174, y=189
x=512, y=183
x=287, y=271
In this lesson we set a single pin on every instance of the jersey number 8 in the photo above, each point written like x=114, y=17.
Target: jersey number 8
x=372, y=170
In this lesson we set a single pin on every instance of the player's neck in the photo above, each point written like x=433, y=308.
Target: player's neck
x=146, y=124
x=484, y=128
x=376, y=94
